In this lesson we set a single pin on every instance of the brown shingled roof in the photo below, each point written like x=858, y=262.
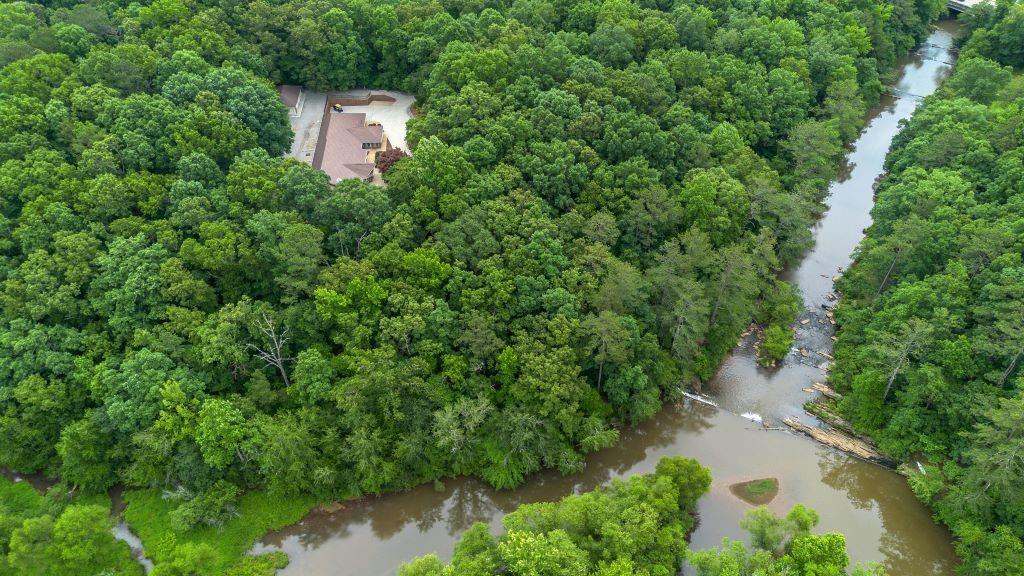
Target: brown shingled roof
x=364, y=171
x=339, y=150
x=368, y=134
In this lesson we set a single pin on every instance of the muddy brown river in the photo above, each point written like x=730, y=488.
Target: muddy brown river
x=873, y=506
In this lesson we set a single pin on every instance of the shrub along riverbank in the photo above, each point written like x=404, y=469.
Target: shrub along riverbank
x=931, y=337
x=220, y=547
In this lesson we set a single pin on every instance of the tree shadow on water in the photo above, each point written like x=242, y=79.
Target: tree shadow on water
x=910, y=542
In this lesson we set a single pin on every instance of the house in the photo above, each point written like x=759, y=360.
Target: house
x=347, y=146
x=293, y=97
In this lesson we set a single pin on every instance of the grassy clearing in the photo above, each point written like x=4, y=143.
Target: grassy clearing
x=762, y=487
x=216, y=550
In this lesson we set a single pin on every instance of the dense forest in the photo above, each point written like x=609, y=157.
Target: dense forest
x=598, y=199
x=637, y=528
x=932, y=321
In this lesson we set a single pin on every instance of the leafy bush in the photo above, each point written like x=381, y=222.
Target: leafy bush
x=387, y=159
x=775, y=344
x=150, y=516
x=780, y=304
x=780, y=546
x=212, y=507
x=55, y=534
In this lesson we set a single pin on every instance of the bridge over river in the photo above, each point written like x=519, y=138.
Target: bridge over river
x=961, y=5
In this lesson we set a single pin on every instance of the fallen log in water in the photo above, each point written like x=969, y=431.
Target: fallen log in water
x=840, y=441
x=826, y=391
x=700, y=398
x=823, y=411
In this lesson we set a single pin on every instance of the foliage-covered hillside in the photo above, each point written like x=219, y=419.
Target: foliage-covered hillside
x=932, y=322
x=599, y=197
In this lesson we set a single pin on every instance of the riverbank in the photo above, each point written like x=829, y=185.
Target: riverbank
x=223, y=548
x=872, y=505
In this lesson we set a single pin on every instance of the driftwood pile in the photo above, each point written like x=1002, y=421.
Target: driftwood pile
x=839, y=440
x=836, y=431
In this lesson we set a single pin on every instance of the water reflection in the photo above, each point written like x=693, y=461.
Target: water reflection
x=900, y=513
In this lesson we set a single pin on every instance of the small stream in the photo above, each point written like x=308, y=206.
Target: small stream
x=120, y=531
x=124, y=533
x=871, y=505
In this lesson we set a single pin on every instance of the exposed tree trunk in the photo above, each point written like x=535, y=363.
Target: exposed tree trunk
x=1013, y=364
x=895, y=372
x=273, y=355
x=888, y=272
x=359, y=243
x=916, y=332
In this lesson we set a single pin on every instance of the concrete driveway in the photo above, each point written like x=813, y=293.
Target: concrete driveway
x=307, y=126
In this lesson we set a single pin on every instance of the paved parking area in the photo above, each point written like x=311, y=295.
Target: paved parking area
x=307, y=126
